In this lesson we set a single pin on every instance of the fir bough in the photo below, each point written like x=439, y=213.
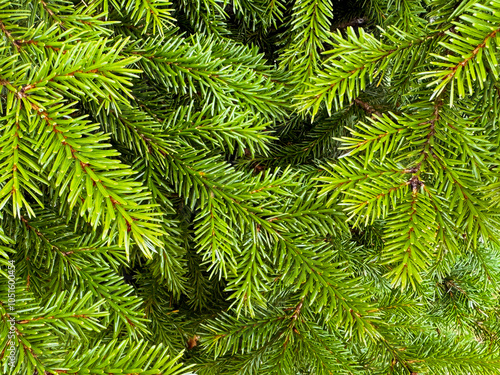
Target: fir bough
x=249, y=187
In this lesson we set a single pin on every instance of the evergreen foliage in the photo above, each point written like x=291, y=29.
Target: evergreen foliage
x=250, y=186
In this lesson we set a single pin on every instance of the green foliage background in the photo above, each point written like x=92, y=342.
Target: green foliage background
x=250, y=187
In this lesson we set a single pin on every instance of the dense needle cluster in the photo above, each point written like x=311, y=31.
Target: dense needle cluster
x=250, y=187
